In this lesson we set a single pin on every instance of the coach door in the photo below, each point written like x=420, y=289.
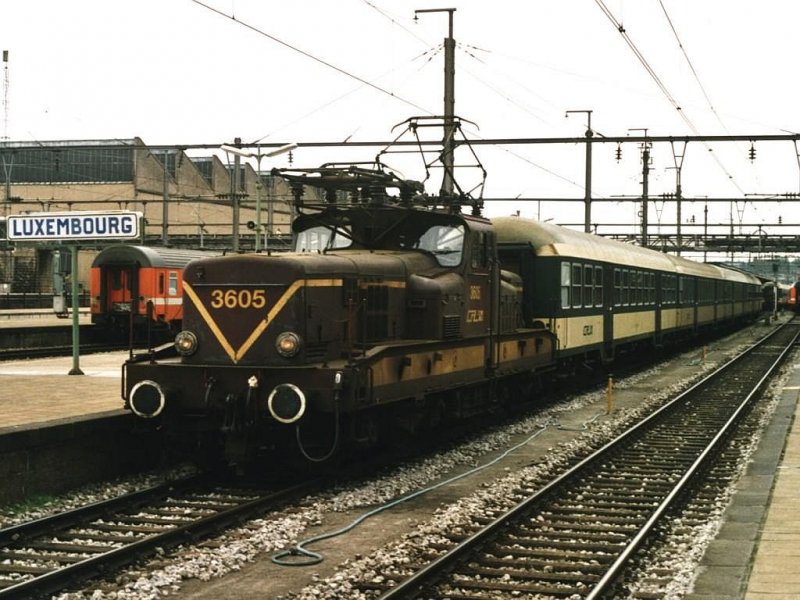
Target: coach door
x=610, y=279
x=120, y=288
x=657, y=302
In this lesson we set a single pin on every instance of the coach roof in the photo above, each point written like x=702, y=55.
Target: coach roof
x=148, y=256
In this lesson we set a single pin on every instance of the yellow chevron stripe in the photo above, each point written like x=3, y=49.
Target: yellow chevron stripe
x=237, y=355
x=210, y=321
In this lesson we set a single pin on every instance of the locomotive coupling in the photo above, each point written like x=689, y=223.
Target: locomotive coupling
x=147, y=399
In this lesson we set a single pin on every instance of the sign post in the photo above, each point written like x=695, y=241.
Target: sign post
x=74, y=226
x=76, y=336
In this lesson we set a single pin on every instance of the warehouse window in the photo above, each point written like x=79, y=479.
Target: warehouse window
x=565, y=283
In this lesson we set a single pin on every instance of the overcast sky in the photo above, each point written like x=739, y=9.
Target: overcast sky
x=176, y=72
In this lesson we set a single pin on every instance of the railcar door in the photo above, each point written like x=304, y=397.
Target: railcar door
x=657, y=307
x=610, y=276
x=120, y=289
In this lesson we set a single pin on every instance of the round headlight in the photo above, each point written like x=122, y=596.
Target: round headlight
x=288, y=344
x=186, y=343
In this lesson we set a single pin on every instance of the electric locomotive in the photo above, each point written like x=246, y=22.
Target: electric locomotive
x=391, y=315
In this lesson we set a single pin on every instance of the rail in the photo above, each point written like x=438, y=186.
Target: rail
x=576, y=536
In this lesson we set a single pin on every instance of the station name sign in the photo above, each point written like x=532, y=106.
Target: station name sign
x=76, y=225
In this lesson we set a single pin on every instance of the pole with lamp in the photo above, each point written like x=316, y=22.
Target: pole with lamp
x=258, y=156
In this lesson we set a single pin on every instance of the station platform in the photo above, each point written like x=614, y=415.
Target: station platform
x=756, y=554
x=36, y=391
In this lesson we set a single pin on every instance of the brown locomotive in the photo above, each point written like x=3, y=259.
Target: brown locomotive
x=391, y=312
x=394, y=313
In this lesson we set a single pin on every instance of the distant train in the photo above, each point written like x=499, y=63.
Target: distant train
x=780, y=296
x=133, y=287
x=398, y=312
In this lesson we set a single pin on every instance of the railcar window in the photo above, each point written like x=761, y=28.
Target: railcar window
x=626, y=287
x=577, y=299
x=116, y=280
x=160, y=284
x=588, y=285
x=598, y=286
x=173, y=283
x=565, y=285
x=323, y=238
x=617, y=287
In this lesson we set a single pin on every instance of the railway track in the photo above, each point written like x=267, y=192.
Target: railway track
x=51, y=554
x=578, y=535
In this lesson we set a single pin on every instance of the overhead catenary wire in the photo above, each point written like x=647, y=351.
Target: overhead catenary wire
x=321, y=61
x=660, y=84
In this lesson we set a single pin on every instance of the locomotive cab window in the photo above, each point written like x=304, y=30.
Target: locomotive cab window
x=445, y=242
x=317, y=239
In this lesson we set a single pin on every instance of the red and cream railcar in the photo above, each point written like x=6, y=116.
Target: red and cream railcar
x=131, y=285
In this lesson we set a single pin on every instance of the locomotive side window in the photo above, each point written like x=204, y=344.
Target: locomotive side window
x=565, y=285
x=480, y=251
x=173, y=283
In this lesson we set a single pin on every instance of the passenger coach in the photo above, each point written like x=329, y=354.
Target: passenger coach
x=126, y=278
x=601, y=297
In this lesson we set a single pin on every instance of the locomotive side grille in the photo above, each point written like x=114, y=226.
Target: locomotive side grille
x=451, y=326
x=315, y=352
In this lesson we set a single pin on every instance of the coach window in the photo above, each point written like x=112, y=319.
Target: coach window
x=588, y=284
x=617, y=287
x=577, y=299
x=626, y=290
x=160, y=284
x=173, y=283
x=565, y=283
x=598, y=286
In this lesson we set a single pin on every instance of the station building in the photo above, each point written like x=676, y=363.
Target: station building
x=186, y=199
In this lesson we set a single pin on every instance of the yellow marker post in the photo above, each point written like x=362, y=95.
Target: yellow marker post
x=610, y=395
